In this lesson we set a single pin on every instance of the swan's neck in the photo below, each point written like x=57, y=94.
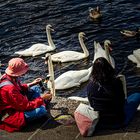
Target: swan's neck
x=90, y=70
x=122, y=78
x=50, y=41
x=84, y=48
x=51, y=73
x=107, y=53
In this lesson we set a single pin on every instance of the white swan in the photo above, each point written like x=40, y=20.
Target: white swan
x=135, y=57
x=67, y=56
x=100, y=52
x=39, y=48
x=70, y=78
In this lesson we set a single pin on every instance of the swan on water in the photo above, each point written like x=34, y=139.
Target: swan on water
x=69, y=79
x=95, y=13
x=135, y=57
x=100, y=52
x=39, y=48
x=67, y=56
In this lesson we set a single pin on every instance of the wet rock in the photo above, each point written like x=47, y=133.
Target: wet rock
x=61, y=105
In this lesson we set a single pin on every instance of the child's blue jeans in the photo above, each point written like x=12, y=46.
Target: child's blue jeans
x=38, y=112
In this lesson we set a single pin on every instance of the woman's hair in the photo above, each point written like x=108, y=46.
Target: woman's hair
x=102, y=70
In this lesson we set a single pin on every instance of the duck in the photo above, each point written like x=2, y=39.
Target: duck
x=69, y=56
x=95, y=13
x=100, y=52
x=135, y=57
x=39, y=48
x=129, y=33
x=69, y=79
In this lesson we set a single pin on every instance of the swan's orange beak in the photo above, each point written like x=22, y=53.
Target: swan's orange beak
x=2, y=65
x=46, y=62
x=110, y=49
x=52, y=29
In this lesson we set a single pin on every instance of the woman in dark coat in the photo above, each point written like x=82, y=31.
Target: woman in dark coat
x=106, y=95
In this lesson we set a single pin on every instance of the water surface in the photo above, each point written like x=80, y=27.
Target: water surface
x=23, y=22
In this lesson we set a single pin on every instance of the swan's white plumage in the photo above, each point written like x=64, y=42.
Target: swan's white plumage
x=39, y=48
x=100, y=52
x=135, y=57
x=67, y=56
x=83, y=99
x=70, y=78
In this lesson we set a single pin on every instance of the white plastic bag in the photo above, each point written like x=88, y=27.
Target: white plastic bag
x=86, y=119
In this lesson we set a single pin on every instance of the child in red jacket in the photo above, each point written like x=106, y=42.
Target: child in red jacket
x=19, y=102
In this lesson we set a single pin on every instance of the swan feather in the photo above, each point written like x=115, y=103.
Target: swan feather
x=135, y=57
x=100, y=52
x=72, y=78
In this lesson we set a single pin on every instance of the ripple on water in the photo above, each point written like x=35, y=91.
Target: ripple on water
x=23, y=23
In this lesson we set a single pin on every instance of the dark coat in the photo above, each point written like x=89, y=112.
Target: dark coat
x=108, y=98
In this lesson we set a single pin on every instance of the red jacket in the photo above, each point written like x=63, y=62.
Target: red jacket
x=13, y=103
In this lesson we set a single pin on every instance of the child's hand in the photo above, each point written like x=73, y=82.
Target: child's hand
x=36, y=81
x=47, y=96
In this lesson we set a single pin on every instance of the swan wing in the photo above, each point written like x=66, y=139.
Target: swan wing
x=72, y=78
x=66, y=56
x=36, y=49
x=42, y=49
x=24, y=53
x=99, y=51
x=135, y=58
x=65, y=83
x=136, y=53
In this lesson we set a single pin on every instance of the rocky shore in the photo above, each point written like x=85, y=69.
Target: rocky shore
x=61, y=105
x=49, y=129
